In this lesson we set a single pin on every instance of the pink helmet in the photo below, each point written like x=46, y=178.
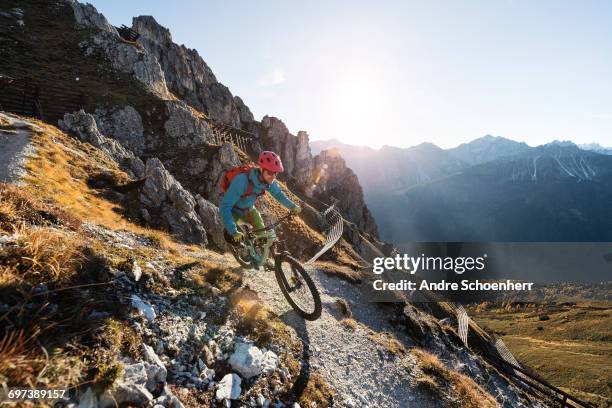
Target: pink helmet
x=271, y=162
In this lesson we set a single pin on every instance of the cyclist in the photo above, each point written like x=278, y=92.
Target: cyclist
x=244, y=185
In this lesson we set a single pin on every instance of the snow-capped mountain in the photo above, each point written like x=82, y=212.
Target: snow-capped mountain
x=596, y=147
x=552, y=192
x=487, y=148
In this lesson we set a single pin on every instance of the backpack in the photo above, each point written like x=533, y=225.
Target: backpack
x=229, y=175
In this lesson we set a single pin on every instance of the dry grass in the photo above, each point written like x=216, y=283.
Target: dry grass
x=121, y=338
x=42, y=254
x=389, y=342
x=259, y=321
x=341, y=271
x=345, y=310
x=349, y=323
x=18, y=206
x=60, y=171
x=455, y=389
x=23, y=364
x=317, y=392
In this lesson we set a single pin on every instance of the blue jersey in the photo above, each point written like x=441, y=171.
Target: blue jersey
x=232, y=203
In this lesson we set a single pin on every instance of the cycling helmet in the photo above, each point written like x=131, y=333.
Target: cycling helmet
x=271, y=162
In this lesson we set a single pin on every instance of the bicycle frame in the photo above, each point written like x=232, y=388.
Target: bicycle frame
x=252, y=242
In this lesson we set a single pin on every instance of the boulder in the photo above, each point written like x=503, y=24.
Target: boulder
x=84, y=125
x=88, y=400
x=169, y=205
x=211, y=219
x=131, y=389
x=123, y=124
x=229, y=388
x=156, y=370
x=144, y=308
x=249, y=360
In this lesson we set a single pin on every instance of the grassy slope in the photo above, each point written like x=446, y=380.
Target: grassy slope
x=572, y=349
x=62, y=191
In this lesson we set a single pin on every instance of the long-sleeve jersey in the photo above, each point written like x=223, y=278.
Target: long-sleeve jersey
x=232, y=202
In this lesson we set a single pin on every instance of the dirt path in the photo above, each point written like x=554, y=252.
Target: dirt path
x=15, y=148
x=359, y=369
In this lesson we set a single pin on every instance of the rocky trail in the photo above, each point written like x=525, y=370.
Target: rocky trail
x=15, y=147
x=357, y=367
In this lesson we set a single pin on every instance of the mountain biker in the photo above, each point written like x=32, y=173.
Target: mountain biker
x=239, y=200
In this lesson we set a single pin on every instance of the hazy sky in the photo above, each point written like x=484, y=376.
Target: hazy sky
x=404, y=72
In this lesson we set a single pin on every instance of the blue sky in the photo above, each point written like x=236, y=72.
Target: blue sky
x=401, y=73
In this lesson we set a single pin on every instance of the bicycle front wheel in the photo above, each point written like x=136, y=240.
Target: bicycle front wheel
x=297, y=287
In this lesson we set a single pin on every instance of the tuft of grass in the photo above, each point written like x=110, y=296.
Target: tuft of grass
x=344, y=308
x=22, y=364
x=456, y=389
x=259, y=321
x=349, y=323
x=42, y=254
x=120, y=337
x=317, y=393
x=107, y=375
x=389, y=342
x=341, y=271
x=429, y=383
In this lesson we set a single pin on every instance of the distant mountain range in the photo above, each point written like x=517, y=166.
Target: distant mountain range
x=595, y=147
x=490, y=189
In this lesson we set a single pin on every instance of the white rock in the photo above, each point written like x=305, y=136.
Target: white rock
x=106, y=400
x=153, y=358
x=229, y=387
x=88, y=400
x=144, y=308
x=176, y=403
x=260, y=400
x=162, y=400
x=247, y=360
x=135, y=373
x=269, y=362
x=131, y=393
x=136, y=272
x=208, y=374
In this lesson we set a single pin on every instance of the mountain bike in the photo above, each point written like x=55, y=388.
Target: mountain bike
x=254, y=251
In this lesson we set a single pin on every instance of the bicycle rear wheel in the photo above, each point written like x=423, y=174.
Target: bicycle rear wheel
x=297, y=287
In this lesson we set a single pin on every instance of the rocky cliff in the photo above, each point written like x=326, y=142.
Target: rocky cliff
x=335, y=181
x=189, y=77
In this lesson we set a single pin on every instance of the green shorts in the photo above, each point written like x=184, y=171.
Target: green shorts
x=252, y=217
